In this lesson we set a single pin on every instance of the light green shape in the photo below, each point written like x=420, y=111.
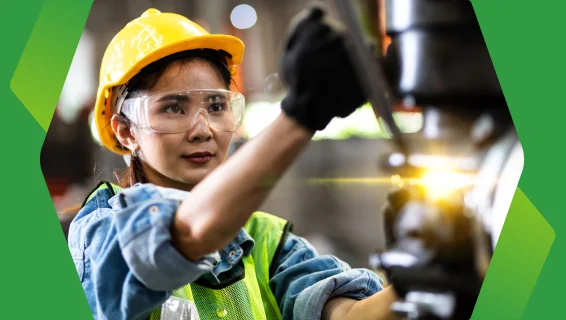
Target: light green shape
x=521, y=252
x=43, y=67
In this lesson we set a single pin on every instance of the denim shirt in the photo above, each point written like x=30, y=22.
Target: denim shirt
x=122, y=250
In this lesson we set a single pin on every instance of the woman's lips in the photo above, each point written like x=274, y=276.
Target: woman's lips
x=199, y=157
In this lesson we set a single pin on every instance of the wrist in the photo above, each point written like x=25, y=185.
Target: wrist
x=296, y=125
x=378, y=306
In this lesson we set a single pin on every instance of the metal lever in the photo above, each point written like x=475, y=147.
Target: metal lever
x=370, y=72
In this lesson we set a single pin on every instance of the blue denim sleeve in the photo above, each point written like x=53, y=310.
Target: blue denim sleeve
x=304, y=281
x=125, y=259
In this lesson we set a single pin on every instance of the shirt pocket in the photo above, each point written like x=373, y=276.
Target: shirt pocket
x=79, y=261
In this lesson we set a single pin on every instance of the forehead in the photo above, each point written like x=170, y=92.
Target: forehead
x=191, y=75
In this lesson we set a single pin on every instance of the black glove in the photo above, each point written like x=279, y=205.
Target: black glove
x=319, y=74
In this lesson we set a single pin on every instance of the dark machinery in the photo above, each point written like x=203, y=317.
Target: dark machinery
x=456, y=177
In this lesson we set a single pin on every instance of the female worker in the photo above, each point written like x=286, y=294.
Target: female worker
x=179, y=240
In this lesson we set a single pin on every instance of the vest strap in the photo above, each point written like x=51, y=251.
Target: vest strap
x=114, y=190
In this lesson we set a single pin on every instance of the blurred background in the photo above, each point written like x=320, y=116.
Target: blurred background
x=332, y=194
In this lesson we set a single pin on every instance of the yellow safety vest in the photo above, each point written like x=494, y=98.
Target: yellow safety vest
x=249, y=296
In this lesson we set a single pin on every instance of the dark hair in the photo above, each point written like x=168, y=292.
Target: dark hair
x=148, y=77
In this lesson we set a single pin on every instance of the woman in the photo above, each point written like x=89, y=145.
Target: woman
x=179, y=240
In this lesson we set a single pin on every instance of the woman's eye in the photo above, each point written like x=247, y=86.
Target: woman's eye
x=216, y=107
x=175, y=108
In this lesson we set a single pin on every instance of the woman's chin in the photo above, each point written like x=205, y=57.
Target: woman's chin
x=191, y=175
x=194, y=177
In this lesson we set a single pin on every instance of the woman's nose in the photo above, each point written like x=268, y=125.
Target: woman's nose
x=200, y=130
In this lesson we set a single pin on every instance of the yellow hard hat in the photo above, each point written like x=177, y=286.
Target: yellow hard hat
x=144, y=40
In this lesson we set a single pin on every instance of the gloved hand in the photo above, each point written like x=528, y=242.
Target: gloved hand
x=322, y=83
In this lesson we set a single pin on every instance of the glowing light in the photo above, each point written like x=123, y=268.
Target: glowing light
x=440, y=184
x=243, y=16
x=346, y=180
x=397, y=159
x=440, y=162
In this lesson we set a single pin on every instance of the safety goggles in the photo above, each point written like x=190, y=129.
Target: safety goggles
x=179, y=111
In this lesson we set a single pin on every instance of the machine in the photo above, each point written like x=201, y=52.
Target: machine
x=452, y=182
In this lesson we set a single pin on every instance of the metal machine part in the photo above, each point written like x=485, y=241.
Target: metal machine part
x=438, y=57
x=437, y=61
x=441, y=250
x=371, y=72
x=491, y=196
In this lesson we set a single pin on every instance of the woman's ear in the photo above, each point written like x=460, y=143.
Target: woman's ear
x=123, y=132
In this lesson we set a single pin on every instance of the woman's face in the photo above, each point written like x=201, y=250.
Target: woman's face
x=175, y=160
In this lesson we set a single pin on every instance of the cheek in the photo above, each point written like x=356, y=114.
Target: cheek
x=148, y=142
x=223, y=140
x=154, y=146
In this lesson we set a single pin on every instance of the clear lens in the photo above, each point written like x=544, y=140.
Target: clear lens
x=175, y=112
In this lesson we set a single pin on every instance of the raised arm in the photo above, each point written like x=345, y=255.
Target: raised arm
x=322, y=85
x=222, y=203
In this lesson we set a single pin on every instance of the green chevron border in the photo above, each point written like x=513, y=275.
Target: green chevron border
x=39, y=42
x=524, y=38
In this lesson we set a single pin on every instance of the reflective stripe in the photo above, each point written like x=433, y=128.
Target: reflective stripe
x=179, y=309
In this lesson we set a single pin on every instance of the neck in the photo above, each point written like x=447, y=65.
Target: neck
x=155, y=177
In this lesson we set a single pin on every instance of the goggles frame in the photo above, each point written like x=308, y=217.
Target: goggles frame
x=137, y=109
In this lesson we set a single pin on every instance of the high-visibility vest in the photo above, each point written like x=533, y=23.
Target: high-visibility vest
x=248, y=296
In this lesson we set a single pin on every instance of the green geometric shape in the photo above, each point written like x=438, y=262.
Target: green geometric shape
x=521, y=252
x=43, y=67
x=524, y=40
x=38, y=277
